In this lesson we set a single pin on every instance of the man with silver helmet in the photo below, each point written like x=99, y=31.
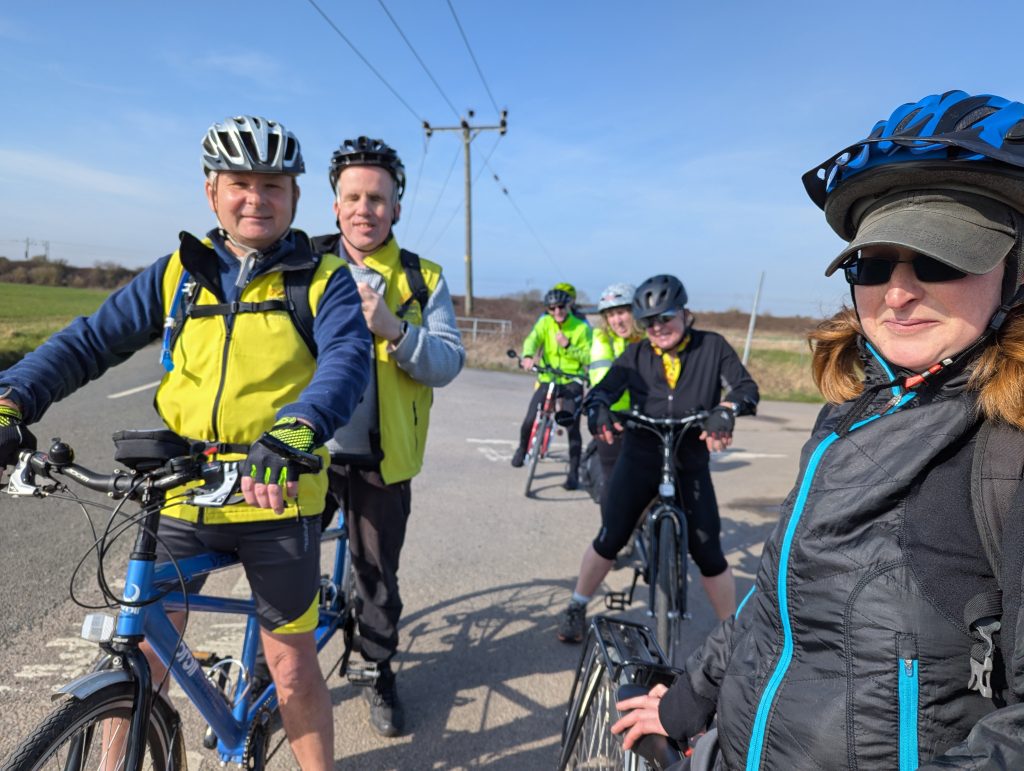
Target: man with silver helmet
x=416, y=348
x=227, y=386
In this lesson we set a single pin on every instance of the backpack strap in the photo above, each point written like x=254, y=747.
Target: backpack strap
x=184, y=296
x=296, y=291
x=414, y=276
x=996, y=472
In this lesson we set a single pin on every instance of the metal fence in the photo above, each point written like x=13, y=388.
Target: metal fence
x=471, y=326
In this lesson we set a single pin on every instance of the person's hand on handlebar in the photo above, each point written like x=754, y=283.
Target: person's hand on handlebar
x=14, y=436
x=718, y=428
x=268, y=468
x=642, y=718
x=527, y=363
x=601, y=423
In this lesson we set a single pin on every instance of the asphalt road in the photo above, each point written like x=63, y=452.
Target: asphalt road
x=485, y=574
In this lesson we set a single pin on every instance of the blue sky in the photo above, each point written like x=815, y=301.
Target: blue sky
x=643, y=138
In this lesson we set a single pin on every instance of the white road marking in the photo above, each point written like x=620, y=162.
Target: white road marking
x=493, y=441
x=135, y=390
x=495, y=456
x=744, y=454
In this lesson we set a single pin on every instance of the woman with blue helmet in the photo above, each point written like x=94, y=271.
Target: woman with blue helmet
x=884, y=628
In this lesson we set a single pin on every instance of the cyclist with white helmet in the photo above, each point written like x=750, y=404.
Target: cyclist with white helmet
x=561, y=341
x=617, y=330
x=885, y=626
x=417, y=347
x=675, y=370
x=240, y=376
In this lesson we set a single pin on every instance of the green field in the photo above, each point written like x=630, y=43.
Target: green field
x=29, y=314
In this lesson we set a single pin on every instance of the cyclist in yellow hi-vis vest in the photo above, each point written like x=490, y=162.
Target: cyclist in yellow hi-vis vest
x=242, y=377
x=562, y=342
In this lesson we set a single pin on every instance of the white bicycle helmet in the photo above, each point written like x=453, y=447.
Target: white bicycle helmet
x=254, y=144
x=616, y=296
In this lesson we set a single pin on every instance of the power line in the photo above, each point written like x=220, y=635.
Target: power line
x=458, y=208
x=471, y=56
x=365, y=60
x=525, y=221
x=420, y=60
x=419, y=176
x=437, y=200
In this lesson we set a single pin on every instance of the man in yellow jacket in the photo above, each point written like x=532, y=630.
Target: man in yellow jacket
x=416, y=348
x=562, y=341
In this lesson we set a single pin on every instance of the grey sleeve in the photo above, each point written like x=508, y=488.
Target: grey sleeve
x=432, y=354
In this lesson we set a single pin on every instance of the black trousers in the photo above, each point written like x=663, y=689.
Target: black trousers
x=571, y=395
x=376, y=514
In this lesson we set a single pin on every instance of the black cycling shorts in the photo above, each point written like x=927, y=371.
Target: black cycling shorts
x=281, y=559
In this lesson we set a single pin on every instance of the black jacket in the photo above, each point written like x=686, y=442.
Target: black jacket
x=852, y=651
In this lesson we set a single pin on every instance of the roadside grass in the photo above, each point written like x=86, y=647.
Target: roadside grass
x=29, y=314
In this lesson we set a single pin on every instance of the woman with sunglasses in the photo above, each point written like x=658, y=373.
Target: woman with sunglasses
x=869, y=639
x=677, y=369
x=562, y=342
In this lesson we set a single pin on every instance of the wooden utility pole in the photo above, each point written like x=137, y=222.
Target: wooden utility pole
x=468, y=134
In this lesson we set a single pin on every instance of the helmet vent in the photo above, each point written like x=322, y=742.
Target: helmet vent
x=228, y=143
x=273, y=145
x=1016, y=132
x=907, y=120
x=974, y=116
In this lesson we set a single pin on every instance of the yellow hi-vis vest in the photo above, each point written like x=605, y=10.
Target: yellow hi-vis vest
x=229, y=388
x=403, y=404
x=605, y=349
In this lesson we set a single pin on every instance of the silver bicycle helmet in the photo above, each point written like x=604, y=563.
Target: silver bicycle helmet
x=254, y=144
x=616, y=296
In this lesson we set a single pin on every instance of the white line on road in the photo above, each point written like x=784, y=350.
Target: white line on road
x=746, y=454
x=135, y=390
x=492, y=441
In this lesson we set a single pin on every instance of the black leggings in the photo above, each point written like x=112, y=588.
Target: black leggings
x=571, y=394
x=634, y=482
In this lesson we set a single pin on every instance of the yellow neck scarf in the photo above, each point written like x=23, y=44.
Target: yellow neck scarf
x=671, y=361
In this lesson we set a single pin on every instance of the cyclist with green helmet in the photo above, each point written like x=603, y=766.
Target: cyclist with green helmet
x=885, y=628
x=570, y=290
x=561, y=341
x=240, y=377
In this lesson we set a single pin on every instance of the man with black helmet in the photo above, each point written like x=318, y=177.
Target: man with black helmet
x=416, y=348
x=221, y=384
x=562, y=341
x=676, y=370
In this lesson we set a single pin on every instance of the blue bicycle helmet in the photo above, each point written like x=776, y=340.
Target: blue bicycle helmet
x=945, y=140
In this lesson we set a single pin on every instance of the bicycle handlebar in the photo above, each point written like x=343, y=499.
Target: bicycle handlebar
x=541, y=369
x=639, y=420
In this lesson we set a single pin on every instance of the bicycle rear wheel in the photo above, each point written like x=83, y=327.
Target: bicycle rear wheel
x=541, y=427
x=587, y=740
x=72, y=736
x=669, y=588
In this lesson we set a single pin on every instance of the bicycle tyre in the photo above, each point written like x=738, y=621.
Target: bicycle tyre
x=534, y=449
x=667, y=587
x=587, y=740
x=74, y=726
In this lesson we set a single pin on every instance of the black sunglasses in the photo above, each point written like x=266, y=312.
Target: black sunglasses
x=554, y=308
x=664, y=318
x=877, y=270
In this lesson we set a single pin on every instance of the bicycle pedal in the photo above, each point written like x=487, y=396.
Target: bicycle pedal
x=363, y=676
x=617, y=600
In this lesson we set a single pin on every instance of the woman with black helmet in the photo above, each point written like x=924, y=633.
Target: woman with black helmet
x=675, y=370
x=887, y=603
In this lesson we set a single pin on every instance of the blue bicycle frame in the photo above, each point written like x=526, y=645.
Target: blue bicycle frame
x=148, y=580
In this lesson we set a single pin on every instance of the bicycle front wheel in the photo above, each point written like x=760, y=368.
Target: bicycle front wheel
x=587, y=739
x=542, y=427
x=74, y=735
x=667, y=605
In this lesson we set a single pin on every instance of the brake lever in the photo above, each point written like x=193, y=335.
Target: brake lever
x=220, y=485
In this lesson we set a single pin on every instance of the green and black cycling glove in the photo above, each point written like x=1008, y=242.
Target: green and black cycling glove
x=14, y=436
x=273, y=458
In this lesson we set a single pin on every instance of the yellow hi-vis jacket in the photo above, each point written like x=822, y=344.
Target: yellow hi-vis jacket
x=403, y=404
x=228, y=387
x=605, y=349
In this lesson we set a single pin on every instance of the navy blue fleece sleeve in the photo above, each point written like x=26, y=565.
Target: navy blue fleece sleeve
x=131, y=318
x=343, y=360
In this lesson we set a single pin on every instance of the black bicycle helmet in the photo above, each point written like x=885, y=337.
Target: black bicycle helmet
x=659, y=295
x=363, y=151
x=253, y=144
x=557, y=296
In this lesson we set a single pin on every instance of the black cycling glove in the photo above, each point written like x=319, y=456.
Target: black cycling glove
x=722, y=420
x=272, y=458
x=599, y=419
x=14, y=436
